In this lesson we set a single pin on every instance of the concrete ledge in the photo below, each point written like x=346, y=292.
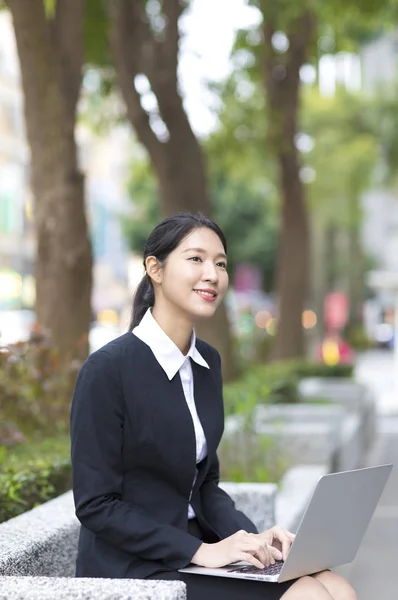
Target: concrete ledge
x=323, y=434
x=295, y=492
x=41, y=541
x=354, y=397
x=65, y=588
x=256, y=500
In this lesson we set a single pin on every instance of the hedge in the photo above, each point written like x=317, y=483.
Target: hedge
x=275, y=383
x=28, y=482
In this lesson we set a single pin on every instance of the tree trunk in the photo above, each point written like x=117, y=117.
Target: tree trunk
x=281, y=75
x=50, y=54
x=356, y=279
x=319, y=278
x=178, y=162
x=293, y=263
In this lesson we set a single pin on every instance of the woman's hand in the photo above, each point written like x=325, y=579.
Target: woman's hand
x=279, y=538
x=250, y=547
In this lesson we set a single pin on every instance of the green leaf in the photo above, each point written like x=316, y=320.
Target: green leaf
x=49, y=7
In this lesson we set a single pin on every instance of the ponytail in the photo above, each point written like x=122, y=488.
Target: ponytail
x=144, y=298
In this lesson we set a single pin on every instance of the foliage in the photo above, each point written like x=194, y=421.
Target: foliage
x=50, y=7
x=275, y=383
x=358, y=338
x=35, y=390
x=33, y=474
x=240, y=207
x=260, y=458
x=343, y=155
x=95, y=29
x=380, y=114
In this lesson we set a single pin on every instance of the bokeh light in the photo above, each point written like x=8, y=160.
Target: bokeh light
x=262, y=319
x=271, y=327
x=246, y=324
x=330, y=353
x=309, y=319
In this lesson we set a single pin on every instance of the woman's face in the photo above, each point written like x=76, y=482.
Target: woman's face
x=194, y=278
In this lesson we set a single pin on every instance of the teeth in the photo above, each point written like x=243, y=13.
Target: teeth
x=205, y=294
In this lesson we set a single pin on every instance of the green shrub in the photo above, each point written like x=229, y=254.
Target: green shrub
x=358, y=338
x=275, y=383
x=26, y=481
x=310, y=369
x=35, y=391
x=250, y=456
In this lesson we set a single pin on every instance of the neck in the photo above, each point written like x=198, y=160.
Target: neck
x=176, y=326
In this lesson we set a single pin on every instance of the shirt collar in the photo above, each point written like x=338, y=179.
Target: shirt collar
x=166, y=352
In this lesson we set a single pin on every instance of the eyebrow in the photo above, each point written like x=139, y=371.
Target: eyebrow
x=203, y=251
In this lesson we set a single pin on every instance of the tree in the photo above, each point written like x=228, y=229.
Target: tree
x=343, y=158
x=49, y=40
x=289, y=32
x=144, y=40
x=238, y=206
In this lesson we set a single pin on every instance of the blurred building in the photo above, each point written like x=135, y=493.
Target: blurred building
x=104, y=163
x=379, y=66
x=379, y=60
x=16, y=228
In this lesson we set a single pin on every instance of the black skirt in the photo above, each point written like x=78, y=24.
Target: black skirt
x=223, y=588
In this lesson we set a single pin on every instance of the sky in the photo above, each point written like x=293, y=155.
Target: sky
x=208, y=35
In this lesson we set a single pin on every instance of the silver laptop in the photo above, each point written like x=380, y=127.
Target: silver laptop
x=330, y=531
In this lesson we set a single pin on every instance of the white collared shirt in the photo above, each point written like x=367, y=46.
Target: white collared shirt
x=172, y=361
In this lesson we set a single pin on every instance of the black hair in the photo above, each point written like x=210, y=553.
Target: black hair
x=165, y=238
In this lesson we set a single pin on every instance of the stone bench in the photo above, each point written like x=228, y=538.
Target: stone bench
x=304, y=433
x=39, y=547
x=352, y=396
x=67, y=588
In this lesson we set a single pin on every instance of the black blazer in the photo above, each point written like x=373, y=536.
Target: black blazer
x=134, y=461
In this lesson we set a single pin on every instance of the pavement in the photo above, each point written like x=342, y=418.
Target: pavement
x=374, y=572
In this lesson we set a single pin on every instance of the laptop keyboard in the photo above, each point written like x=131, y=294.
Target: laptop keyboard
x=274, y=569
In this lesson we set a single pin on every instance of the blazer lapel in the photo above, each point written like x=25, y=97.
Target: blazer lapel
x=209, y=406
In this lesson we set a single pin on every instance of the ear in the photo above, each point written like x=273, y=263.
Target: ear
x=153, y=269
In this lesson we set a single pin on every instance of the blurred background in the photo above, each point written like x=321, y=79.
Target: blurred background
x=292, y=149
x=277, y=119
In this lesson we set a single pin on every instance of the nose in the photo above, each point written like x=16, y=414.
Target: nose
x=210, y=272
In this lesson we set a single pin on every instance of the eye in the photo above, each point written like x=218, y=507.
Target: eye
x=195, y=258
x=222, y=264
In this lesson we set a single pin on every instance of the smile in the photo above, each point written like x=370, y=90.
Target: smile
x=209, y=296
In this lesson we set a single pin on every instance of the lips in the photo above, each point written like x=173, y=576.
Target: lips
x=207, y=293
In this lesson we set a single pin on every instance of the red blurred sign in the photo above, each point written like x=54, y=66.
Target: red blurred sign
x=336, y=310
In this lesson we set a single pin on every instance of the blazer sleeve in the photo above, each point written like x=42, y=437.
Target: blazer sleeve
x=97, y=415
x=218, y=507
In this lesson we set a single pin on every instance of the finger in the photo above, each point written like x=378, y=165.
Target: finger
x=286, y=543
x=291, y=537
x=258, y=549
x=264, y=555
x=282, y=536
x=261, y=553
x=275, y=553
x=251, y=559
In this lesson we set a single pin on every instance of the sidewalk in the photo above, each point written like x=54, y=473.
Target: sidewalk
x=374, y=573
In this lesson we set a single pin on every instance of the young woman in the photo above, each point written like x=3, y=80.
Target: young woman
x=146, y=420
